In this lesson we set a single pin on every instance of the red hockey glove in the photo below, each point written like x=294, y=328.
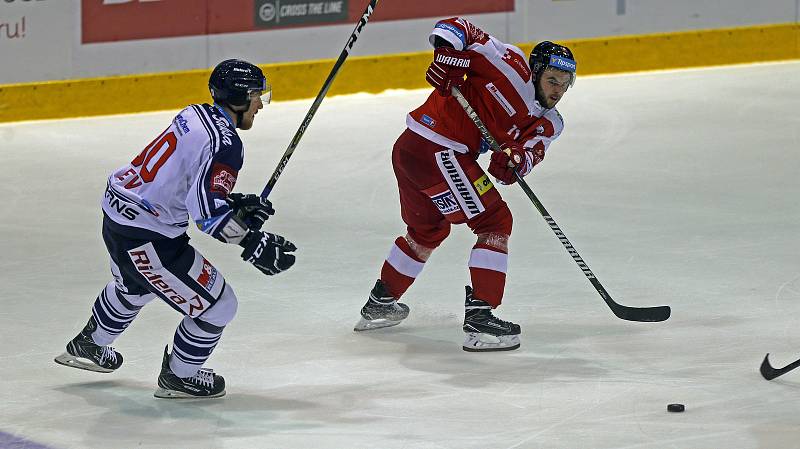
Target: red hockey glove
x=447, y=69
x=504, y=163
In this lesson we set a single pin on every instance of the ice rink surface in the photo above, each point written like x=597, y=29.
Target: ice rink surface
x=677, y=188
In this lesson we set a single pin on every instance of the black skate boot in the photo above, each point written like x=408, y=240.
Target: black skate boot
x=83, y=353
x=486, y=332
x=381, y=310
x=204, y=385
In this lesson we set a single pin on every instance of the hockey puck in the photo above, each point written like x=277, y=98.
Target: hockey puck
x=675, y=408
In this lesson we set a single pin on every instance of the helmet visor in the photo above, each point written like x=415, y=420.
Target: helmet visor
x=265, y=93
x=564, y=64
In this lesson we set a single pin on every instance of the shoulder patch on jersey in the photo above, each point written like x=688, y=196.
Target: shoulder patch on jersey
x=223, y=178
x=518, y=63
x=181, y=124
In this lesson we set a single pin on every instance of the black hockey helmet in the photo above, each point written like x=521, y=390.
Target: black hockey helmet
x=233, y=81
x=549, y=54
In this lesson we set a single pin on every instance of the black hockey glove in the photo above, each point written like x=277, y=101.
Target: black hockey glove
x=268, y=252
x=252, y=209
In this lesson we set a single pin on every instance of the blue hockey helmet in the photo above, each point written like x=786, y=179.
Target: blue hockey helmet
x=234, y=81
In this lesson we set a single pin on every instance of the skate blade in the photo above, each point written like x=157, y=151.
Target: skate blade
x=70, y=360
x=480, y=342
x=368, y=325
x=163, y=393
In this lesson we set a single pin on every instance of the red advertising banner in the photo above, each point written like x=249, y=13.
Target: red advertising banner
x=121, y=20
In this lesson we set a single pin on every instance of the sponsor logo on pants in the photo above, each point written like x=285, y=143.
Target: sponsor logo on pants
x=459, y=184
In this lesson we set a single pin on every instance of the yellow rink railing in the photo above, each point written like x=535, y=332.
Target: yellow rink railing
x=296, y=80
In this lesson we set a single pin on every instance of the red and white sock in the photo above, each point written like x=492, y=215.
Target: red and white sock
x=401, y=268
x=487, y=269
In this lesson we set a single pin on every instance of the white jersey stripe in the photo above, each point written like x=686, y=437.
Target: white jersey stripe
x=492, y=52
x=427, y=133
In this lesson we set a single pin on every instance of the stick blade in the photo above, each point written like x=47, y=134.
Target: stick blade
x=767, y=370
x=642, y=314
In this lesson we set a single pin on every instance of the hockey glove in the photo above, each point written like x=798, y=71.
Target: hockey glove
x=505, y=163
x=268, y=252
x=447, y=69
x=252, y=209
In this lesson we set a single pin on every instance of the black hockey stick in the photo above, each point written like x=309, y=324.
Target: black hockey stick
x=770, y=373
x=659, y=313
x=314, y=106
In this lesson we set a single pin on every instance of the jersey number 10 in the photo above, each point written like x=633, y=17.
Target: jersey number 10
x=162, y=147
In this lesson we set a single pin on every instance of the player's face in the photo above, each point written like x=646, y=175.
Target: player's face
x=256, y=104
x=553, y=84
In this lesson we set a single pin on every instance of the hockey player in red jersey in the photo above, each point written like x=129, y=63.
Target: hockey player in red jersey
x=441, y=183
x=186, y=174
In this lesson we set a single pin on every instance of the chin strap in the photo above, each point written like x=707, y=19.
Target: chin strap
x=239, y=114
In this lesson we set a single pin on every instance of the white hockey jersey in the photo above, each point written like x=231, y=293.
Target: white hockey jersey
x=183, y=174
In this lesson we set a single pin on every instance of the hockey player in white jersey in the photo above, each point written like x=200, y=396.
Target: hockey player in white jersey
x=185, y=174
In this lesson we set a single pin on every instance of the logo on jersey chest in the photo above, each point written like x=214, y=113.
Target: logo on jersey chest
x=501, y=99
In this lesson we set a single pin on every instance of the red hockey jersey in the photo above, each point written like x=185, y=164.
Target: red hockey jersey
x=499, y=87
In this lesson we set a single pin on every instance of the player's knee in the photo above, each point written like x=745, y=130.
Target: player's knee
x=429, y=237
x=421, y=252
x=224, y=310
x=497, y=220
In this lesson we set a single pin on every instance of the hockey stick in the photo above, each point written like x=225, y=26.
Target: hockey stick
x=770, y=373
x=314, y=106
x=659, y=313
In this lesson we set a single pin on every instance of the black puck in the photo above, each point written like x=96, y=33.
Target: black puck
x=676, y=408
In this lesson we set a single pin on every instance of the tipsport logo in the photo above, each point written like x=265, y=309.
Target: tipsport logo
x=454, y=30
x=561, y=63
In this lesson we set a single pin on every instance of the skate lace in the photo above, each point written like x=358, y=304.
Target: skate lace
x=108, y=353
x=204, y=378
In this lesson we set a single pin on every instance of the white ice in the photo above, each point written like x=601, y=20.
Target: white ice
x=677, y=188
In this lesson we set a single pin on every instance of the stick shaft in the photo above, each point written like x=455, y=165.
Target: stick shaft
x=318, y=100
x=659, y=313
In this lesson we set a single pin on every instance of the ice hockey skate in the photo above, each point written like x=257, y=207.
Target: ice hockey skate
x=83, y=353
x=381, y=310
x=203, y=385
x=486, y=332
